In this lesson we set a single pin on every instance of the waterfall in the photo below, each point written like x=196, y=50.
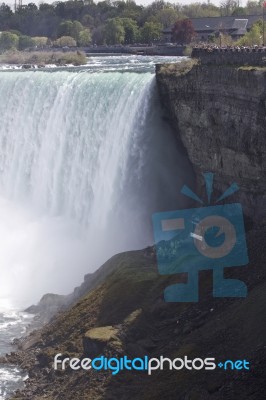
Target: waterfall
x=85, y=158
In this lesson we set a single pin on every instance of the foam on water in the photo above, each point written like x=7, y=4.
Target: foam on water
x=85, y=159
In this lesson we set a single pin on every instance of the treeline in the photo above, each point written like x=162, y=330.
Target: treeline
x=82, y=22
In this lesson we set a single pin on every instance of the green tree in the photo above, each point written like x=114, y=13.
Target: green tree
x=66, y=41
x=198, y=10
x=239, y=11
x=69, y=28
x=8, y=41
x=114, y=31
x=77, y=27
x=84, y=38
x=25, y=42
x=71, y=17
x=166, y=17
x=253, y=37
x=98, y=35
x=65, y=28
x=40, y=41
x=15, y=31
x=5, y=16
x=151, y=32
x=87, y=20
x=131, y=30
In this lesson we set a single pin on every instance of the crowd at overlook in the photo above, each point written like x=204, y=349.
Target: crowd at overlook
x=234, y=49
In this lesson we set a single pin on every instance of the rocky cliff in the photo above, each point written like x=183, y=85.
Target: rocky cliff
x=125, y=314
x=219, y=114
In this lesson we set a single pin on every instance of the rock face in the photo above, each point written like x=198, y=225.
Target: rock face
x=49, y=305
x=125, y=315
x=219, y=114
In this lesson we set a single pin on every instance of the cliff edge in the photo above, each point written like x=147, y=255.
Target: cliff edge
x=219, y=114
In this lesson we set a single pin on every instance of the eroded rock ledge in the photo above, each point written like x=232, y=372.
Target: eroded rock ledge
x=219, y=113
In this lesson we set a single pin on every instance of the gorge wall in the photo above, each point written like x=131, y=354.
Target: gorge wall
x=219, y=114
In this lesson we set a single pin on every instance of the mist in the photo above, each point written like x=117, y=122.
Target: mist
x=86, y=158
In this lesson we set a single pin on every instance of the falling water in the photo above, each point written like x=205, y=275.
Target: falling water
x=85, y=158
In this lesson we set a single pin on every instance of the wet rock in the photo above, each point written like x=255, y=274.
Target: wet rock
x=219, y=115
x=44, y=359
x=31, y=341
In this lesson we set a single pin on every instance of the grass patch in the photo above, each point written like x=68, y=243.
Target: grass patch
x=132, y=317
x=103, y=334
x=43, y=58
x=178, y=69
x=188, y=51
x=251, y=68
